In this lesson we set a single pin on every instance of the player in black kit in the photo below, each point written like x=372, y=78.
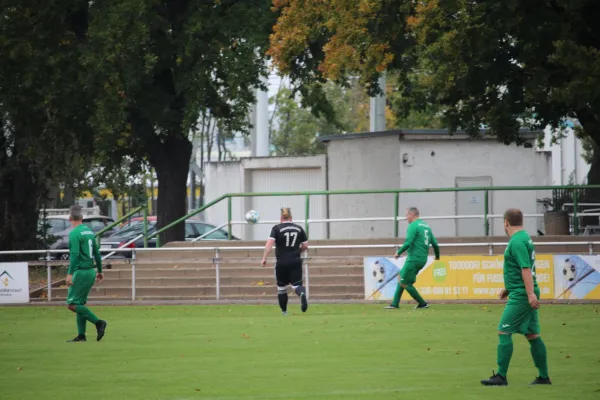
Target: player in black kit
x=290, y=241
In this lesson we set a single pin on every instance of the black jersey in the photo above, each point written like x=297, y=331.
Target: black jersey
x=288, y=238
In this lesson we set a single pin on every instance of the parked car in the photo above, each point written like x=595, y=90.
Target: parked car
x=193, y=230
x=62, y=228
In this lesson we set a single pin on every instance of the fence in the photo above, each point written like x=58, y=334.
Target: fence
x=485, y=217
x=216, y=252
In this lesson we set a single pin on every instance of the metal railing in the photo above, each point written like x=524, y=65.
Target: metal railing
x=396, y=192
x=216, y=252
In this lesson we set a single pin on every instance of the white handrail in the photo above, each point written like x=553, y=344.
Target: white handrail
x=337, y=246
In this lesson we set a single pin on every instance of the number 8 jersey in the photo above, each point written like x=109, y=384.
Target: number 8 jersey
x=288, y=238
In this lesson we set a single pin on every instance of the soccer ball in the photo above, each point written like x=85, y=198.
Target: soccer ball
x=252, y=217
x=378, y=272
x=569, y=270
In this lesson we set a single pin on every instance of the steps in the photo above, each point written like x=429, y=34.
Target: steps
x=334, y=274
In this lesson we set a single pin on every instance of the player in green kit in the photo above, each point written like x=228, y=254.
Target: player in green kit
x=82, y=274
x=418, y=239
x=521, y=311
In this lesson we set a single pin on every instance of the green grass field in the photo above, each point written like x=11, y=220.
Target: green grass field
x=252, y=352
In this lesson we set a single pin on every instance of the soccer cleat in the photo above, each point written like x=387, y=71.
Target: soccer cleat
x=424, y=305
x=304, y=302
x=391, y=307
x=495, y=380
x=284, y=313
x=541, y=381
x=100, y=328
x=78, y=338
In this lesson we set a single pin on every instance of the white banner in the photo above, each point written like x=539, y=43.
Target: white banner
x=14, y=283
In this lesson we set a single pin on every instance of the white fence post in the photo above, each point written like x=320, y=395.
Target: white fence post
x=306, y=277
x=49, y=275
x=133, y=275
x=217, y=274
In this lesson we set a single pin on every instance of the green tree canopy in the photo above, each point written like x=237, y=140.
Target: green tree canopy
x=499, y=65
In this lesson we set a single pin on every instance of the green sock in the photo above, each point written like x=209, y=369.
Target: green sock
x=397, y=296
x=414, y=293
x=538, y=352
x=87, y=314
x=81, y=321
x=505, y=350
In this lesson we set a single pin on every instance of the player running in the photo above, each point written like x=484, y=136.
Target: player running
x=418, y=239
x=82, y=274
x=290, y=241
x=521, y=311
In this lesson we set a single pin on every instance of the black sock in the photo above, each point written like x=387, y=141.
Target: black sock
x=283, y=300
x=299, y=290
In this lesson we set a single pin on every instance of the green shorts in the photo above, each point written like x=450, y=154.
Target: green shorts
x=519, y=317
x=410, y=270
x=83, y=280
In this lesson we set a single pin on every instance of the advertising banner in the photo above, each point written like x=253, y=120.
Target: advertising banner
x=452, y=278
x=577, y=277
x=14, y=283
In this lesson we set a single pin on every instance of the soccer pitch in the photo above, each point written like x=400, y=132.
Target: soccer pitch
x=252, y=352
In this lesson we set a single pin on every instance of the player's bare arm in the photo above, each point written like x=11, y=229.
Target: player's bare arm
x=528, y=280
x=268, y=248
x=503, y=294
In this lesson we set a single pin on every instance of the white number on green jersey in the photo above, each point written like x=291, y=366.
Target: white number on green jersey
x=533, y=263
x=426, y=237
x=293, y=235
x=91, y=247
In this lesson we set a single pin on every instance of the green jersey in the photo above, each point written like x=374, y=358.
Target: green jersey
x=418, y=239
x=519, y=254
x=82, y=247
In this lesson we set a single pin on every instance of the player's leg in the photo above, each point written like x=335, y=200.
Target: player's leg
x=81, y=321
x=409, y=278
x=397, y=296
x=515, y=313
x=296, y=280
x=538, y=350
x=282, y=278
x=83, y=280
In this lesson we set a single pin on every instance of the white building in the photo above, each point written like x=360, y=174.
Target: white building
x=568, y=166
x=413, y=159
x=384, y=161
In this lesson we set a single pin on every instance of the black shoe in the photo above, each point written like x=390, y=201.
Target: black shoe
x=304, y=302
x=541, y=381
x=78, y=338
x=495, y=380
x=424, y=305
x=100, y=328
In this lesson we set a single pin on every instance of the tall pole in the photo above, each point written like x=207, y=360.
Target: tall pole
x=377, y=109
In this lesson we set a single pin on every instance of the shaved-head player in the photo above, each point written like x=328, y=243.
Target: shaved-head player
x=290, y=241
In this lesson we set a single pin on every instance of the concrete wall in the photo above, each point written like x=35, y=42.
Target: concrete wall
x=267, y=174
x=428, y=162
x=366, y=163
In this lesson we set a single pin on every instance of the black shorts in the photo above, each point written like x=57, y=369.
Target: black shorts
x=288, y=273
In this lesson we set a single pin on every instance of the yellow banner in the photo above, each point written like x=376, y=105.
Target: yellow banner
x=476, y=277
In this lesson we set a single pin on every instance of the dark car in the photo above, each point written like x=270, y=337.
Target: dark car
x=193, y=230
x=60, y=227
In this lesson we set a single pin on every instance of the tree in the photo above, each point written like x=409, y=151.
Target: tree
x=43, y=111
x=500, y=65
x=159, y=64
x=295, y=129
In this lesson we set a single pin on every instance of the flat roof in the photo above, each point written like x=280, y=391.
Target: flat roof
x=419, y=133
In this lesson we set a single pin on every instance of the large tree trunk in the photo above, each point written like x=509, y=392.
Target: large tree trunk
x=171, y=161
x=591, y=126
x=19, y=209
